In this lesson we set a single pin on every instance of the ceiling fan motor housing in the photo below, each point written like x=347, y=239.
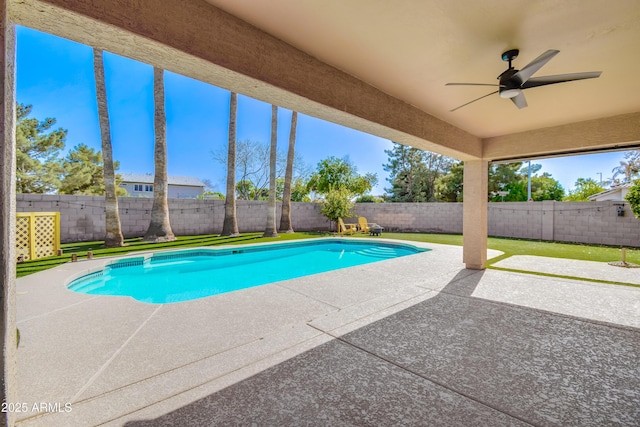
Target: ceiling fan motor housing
x=509, y=85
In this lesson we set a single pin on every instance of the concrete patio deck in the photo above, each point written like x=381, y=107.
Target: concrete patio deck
x=417, y=340
x=577, y=268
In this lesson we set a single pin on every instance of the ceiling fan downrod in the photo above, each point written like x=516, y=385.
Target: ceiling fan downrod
x=510, y=55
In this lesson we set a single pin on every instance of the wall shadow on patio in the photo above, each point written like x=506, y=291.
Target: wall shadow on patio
x=450, y=360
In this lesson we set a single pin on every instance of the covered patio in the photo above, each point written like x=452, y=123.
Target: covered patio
x=379, y=67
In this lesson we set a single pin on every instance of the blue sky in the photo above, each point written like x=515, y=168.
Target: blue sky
x=55, y=75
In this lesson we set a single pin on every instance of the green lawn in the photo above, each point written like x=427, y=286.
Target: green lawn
x=508, y=246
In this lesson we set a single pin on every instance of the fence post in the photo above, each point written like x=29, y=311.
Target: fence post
x=32, y=235
x=56, y=233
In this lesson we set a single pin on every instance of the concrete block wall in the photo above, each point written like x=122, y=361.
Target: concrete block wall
x=518, y=220
x=596, y=223
x=82, y=218
x=252, y=216
x=413, y=217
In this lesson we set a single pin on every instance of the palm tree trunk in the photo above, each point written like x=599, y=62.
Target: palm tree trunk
x=285, y=218
x=270, y=230
x=113, y=237
x=159, y=228
x=230, y=224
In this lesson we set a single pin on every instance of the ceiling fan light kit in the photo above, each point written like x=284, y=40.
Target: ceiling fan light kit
x=510, y=93
x=513, y=82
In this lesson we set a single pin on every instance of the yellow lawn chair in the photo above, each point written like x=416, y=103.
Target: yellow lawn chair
x=346, y=228
x=365, y=227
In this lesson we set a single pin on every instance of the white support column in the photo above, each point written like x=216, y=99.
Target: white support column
x=474, y=226
x=7, y=213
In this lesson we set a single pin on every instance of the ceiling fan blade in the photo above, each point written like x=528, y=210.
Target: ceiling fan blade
x=471, y=84
x=477, y=99
x=560, y=78
x=519, y=100
x=525, y=73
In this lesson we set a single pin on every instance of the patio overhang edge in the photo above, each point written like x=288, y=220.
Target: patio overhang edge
x=195, y=39
x=591, y=136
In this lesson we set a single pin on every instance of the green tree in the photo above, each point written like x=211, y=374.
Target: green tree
x=535, y=168
x=506, y=177
x=159, y=227
x=82, y=173
x=368, y=198
x=633, y=197
x=584, y=187
x=113, y=230
x=509, y=177
x=545, y=187
x=407, y=171
x=300, y=190
x=37, y=150
x=337, y=204
x=340, y=174
x=413, y=173
x=437, y=165
x=247, y=191
x=211, y=195
x=517, y=192
x=513, y=177
x=449, y=187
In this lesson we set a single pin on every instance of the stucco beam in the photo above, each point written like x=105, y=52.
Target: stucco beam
x=195, y=39
x=609, y=133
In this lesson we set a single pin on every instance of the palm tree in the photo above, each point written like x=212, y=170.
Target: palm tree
x=624, y=169
x=285, y=218
x=629, y=168
x=270, y=230
x=230, y=224
x=159, y=228
x=113, y=237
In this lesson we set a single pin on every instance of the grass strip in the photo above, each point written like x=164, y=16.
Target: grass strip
x=559, y=276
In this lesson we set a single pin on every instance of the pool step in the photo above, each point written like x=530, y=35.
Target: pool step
x=379, y=252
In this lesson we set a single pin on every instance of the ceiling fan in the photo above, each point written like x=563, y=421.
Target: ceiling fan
x=513, y=82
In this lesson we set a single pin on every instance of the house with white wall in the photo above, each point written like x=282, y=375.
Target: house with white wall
x=617, y=192
x=180, y=187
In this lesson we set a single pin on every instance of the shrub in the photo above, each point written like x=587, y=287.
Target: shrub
x=368, y=198
x=337, y=204
x=633, y=197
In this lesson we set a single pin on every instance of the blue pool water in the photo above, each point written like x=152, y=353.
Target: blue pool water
x=186, y=275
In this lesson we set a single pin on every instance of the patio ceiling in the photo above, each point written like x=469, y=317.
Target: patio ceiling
x=381, y=66
x=410, y=49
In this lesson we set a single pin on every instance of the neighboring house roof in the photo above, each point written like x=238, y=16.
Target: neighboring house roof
x=618, y=188
x=142, y=178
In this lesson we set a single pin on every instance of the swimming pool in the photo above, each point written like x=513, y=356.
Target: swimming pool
x=177, y=276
